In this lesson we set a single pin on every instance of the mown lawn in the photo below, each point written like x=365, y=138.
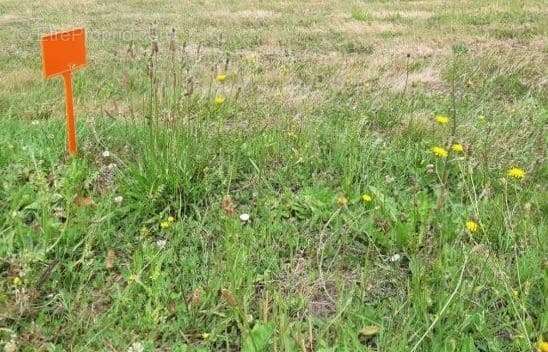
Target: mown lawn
x=285, y=176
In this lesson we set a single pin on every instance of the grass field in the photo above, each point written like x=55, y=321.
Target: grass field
x=277, y=176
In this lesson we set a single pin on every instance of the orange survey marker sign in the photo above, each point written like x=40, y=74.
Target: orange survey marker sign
x=63, y=52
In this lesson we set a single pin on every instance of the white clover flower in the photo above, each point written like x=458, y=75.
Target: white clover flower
x=161, y=243
x=10, y=346
x=136, y=347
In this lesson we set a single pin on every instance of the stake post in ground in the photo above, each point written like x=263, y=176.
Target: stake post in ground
x=62, y=53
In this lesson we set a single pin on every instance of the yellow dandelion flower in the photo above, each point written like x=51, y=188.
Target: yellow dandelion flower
x=165, y=224
x=516, y=172
x=171, y=219
x=366, y=198
x=221, y=77
x=439, y=152
x=472, y=226
x=442, y=120
x=457, y=148
x=342, y=201
x=219, y=100
x=542, y=346
x=17, y=281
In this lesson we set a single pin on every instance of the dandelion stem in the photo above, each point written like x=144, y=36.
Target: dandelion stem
x=438, y=316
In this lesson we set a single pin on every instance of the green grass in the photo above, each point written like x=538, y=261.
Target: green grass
x=360, y=15
x=316, y=115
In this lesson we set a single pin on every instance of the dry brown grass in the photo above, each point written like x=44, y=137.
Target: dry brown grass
x=273, y=63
